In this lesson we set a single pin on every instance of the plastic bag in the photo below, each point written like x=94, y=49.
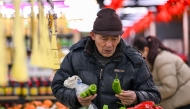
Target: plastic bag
x=70, y=82
x=91, y=106
x=76, y=82
x=80, y=87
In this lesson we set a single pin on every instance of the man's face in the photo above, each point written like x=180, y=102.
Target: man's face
x=106, y=45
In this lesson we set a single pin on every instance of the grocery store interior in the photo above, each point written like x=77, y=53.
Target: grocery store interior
x=25, y=72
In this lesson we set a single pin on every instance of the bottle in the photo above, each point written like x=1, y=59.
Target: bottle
x=16, y=88
x=25, y=89
x=2, y=92
x=8, y=90
x=34, y=86
x=49, y=90
x=43, y=86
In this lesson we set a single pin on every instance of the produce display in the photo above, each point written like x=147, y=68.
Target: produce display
x=45, y=104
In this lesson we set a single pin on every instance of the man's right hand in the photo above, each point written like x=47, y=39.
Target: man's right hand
x=87, y=100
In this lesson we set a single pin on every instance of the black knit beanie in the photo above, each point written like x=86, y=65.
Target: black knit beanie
x=107, y=23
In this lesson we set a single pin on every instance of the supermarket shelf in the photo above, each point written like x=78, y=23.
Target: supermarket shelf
x=27, y=98
x=9, y=97
x=40, y=97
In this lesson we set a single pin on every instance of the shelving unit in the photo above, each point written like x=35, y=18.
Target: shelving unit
x=40, y=97
x=12, y=98
x=9, y=98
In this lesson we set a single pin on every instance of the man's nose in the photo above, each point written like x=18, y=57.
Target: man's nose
x=109, y=43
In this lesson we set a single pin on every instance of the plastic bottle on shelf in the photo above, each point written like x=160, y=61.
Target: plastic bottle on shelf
x=25, y=88
x=8, y=90
x=43, y=86
x=2, y=92
x=34, y=86
x=16, y=88
x=49, y=90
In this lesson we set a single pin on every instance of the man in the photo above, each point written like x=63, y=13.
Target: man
x=96, y=59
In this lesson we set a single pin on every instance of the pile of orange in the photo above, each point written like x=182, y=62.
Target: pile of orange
x=60, y=106
x=45, y=104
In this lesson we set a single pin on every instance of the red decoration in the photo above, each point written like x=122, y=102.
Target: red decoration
x=161, y=7
x=187, y=2
x=138, y=26
x=171, y=1
x=127, y=32
x=115, y=4
x=176, y=8
x=163, y=16
x=147, y=20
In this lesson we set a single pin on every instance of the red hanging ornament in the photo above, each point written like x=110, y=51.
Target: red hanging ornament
x=161, y=7
x=176, y=8
x=139, y=26
x=127, y=32
x=187, y=2
x=171, y=1
x=115, y=4
x=163, y=16
x=147, y=20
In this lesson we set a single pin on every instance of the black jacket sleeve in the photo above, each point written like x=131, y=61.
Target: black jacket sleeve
x=63, y=94
x=144, y=85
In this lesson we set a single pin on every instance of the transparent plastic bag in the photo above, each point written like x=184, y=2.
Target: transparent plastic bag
x=76, y=82
x=91, y=106
x=81, y=87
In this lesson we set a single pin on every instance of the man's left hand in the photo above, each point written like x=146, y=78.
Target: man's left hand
x=127, y=97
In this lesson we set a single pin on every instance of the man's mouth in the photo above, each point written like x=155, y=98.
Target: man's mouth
x=108, y=51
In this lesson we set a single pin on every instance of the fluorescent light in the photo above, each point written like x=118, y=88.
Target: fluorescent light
x=151, y=2
x=127, y=23
x=128, y=2
x=134, y=10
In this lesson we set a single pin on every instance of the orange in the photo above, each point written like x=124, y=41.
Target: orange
x=48, y=103
x=37, y=103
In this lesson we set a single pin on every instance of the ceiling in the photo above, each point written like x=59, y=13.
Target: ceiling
x=23, y=1
x=134, y=3
x=130, y=12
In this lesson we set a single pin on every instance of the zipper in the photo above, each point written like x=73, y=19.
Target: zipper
x=101, y=71
x=99, y=82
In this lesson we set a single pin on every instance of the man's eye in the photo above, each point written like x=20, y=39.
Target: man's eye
x=114, y=39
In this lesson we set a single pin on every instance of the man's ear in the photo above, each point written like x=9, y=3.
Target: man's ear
x=92, y=35
x=146, y=49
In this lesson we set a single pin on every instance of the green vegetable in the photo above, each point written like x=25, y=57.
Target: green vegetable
x=122, y=108
x=116, y=85
x=105, y=106
x=83, y=94
x=93, y=89
x=88, y=92
x=2, y=108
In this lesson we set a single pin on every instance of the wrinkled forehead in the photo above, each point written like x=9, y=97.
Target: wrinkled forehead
x=102, y=35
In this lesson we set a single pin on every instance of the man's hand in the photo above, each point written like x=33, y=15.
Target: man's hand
x=127, y=97
x=87, y=100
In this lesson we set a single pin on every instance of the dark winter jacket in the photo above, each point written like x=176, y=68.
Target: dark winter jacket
x=130, y=66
